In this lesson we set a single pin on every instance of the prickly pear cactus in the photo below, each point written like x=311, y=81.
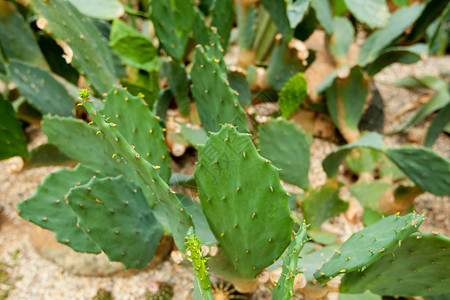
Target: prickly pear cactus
x=423, y=166
x=345, y=100
x=164, y=292
x=115, y=215
x=216, y=102
x=331, y=163
x=178, y=84
x=40, y=88
x=292, y=95
x=287, y=146
x=365, y=247
x=419, y=266
x=323, y=203
x=179, y=220
x=254, y=224
x=48, y=208
x=284, y=288
x=222, y=17
x=173, y=21
x=12, y=139
x=16, y=37
x=66, y=23
x=194, y=252
x=139, y=126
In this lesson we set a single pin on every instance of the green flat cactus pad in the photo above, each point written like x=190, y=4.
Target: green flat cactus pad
x=173, y=21
x=424, y=167
x=76, y=139
x=48, y=208
x=40, y=88
x=311, y=262
x=278, y=13
x=222, y=17
x=334, y=159
x=66, y=23
x=178, y=84
x=323, y=203
x=420, y=267
x=366, y=246
x=363, y=160
x=12, y=138
x=139, y=126
x=287, y=146
x=216, y=102
x=248, y=214
x=116, y=216
x=16, y=37
x=345, y=101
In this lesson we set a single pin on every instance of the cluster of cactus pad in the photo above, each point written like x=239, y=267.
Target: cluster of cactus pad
x=120, y=198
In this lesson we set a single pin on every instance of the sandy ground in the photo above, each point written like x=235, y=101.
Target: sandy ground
x=33, y=277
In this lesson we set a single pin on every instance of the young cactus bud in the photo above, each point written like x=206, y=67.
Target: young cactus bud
x=194, y=252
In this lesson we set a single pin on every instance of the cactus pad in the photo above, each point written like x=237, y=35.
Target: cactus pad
x=178, y=84
x=12, y=139
x=254, y=224
x=66, y=23
x=322, y=204
x=287, y=146
x=140, y=128
x=292, y=95
x=216, y=102
x=423, y=166
x=116, y=216
x=365, y=247
x=16, y=37
x=173, y=21
x=334, y=159
x=420, y=267
x=48, y=208
x=39, y=87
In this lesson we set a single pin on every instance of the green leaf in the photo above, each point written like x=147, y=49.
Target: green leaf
x=322, y=204
x=374, y=13
x=12, y=138
x=292, y=95
x=99, y=9
x=398, y=23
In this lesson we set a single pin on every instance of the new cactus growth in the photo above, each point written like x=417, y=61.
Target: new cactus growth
x=284, y=288
x=194, y=252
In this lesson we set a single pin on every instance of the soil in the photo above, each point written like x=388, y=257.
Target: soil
x=30, y=276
